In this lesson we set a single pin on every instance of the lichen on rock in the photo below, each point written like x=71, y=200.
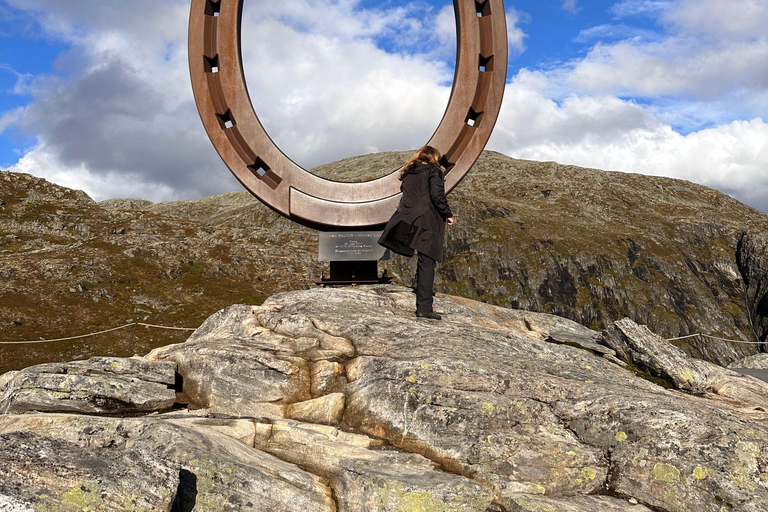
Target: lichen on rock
x=489, y=410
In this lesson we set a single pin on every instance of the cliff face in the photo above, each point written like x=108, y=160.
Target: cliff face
x=589, y=245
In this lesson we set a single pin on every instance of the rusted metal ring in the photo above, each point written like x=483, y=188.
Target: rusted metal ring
x=218, y=80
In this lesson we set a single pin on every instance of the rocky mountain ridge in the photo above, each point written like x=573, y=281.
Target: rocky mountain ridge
x=589, y=245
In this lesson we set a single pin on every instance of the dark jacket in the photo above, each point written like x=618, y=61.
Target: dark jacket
x=419, y=222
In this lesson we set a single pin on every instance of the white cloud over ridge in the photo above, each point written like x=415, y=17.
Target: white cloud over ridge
x=613, y=134
x=120, y=120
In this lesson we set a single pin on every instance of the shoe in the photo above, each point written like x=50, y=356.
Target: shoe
x=429, y=314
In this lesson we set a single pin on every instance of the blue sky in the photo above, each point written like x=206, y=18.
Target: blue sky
x=23, y=54
x=96, y=95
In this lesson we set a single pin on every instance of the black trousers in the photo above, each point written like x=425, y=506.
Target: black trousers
x=425, y=278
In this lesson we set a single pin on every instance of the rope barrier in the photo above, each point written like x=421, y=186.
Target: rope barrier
x=167, y=327
x=99, y=332
x=683, y=337
x=194, y=329
x=716, y=338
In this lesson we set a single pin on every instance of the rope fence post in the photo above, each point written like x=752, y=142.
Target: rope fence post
x=130, y=343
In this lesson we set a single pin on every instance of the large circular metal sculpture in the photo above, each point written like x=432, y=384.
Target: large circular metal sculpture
x=225, y=107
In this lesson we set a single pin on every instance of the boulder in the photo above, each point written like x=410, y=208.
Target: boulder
x=326, y=410
x=100, y=385
x=636, y=344
x=741, y=394
x=486, y=401
x=233, y=365
x=217, y=471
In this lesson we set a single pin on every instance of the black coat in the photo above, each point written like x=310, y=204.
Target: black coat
x=419, y=222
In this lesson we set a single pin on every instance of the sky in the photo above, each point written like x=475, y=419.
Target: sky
x=97, y=96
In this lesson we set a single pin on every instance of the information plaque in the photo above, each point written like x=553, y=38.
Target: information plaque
x=351, y=246
x=353, y=257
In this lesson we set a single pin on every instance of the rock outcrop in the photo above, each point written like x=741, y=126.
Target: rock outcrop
x=589, y=245
x=489, y=410
x=52, y=474
x=98, y=385
x=211, y=471
x=652, y=353
x=758, y=361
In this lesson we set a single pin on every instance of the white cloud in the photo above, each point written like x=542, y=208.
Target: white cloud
x=711, y=49
x=672, y=67
x=723, y=19
x=609, y=133
x=570, y=5
x=326, y=94
x=122, y=121
x=45, y=162
x=445, y=31
x=10, y=118
x=627, y=8
x=515, y=35
x=614, y=31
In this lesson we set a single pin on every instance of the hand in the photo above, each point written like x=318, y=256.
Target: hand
x=450, y=221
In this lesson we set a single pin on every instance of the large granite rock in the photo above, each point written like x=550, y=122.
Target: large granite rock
x=228, y=366
x=218, y=472
x=242, y=362
x=652, y=353
x=100, y=385
x=41, y=474
x=482, y=395
x=371, y=480
x=489, y=410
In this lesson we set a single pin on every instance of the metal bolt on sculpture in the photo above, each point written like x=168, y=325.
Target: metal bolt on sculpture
x=215, y=62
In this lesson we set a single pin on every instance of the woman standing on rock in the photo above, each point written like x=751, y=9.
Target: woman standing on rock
x=419, y=222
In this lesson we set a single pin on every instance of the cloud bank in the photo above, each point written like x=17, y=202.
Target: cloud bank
x=336, y=78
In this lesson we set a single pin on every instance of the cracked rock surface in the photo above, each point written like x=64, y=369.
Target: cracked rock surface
x=340, y=399
x=219, y=472
x=99, y=385
x=54, y=474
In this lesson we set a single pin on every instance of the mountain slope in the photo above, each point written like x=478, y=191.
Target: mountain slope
x=589, y=245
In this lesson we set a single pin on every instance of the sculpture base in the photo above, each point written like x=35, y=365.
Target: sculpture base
x=354, y=257
x=354, y=272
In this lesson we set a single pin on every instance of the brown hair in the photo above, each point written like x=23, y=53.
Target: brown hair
x=427, y=155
